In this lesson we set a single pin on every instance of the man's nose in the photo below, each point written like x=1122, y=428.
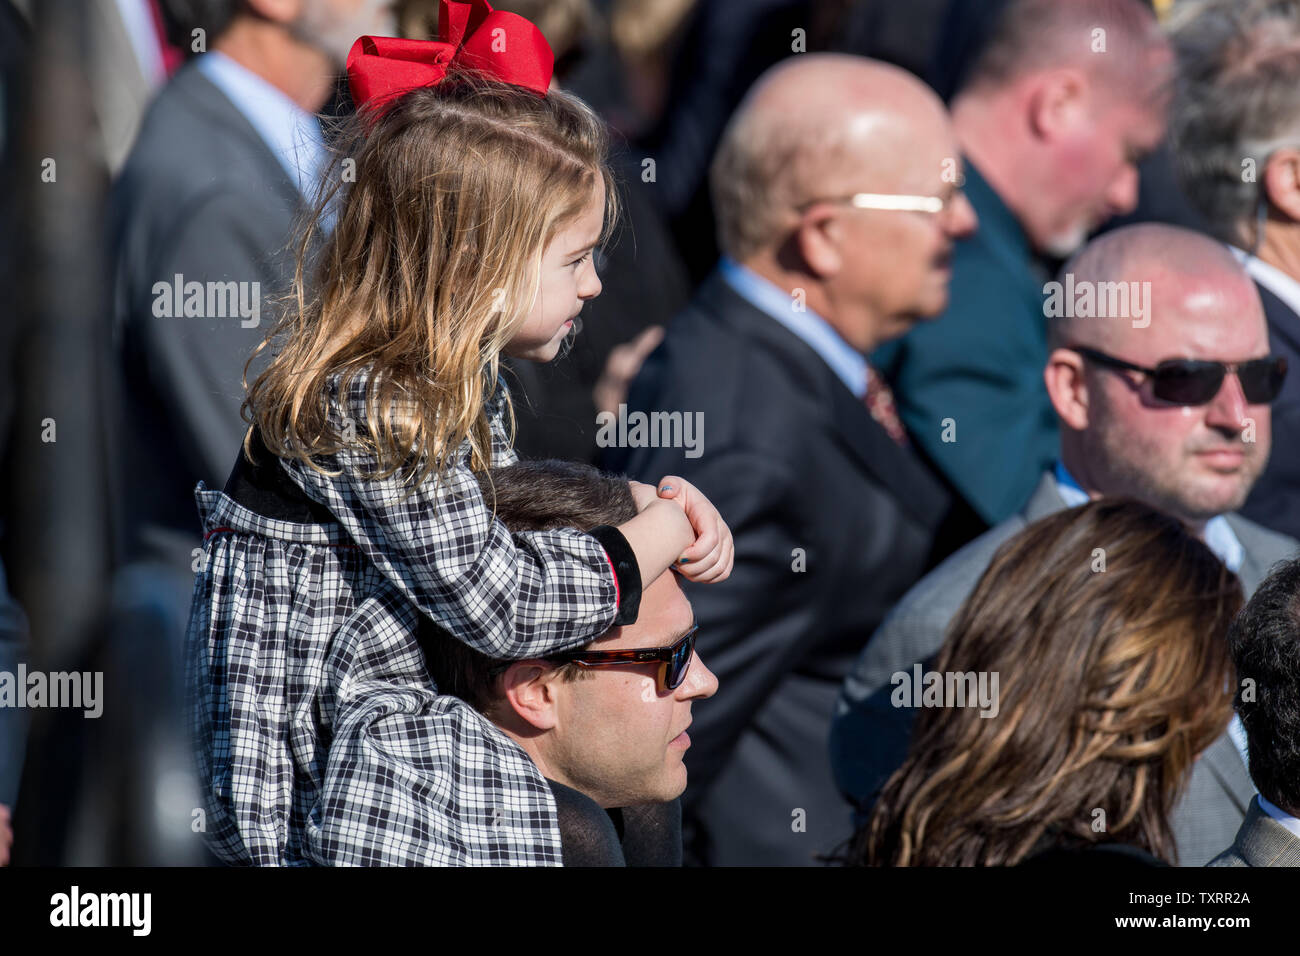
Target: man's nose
x=962, y=220
x=700, y=682
x=1123, y=192
x=1227, y=411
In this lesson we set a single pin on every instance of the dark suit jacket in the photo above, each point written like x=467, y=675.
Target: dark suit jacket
x=646, y=835
x=1275, y=500
x=980, y=364
x=1261, y=841
x=13, y=720
x=832, y=522
x=644, y=283
x=201, y=195
x=869, y=737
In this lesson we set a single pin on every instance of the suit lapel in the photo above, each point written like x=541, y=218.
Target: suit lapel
x=899, y=470
x=1045, y=500
x=1282, y=320
x=1224, y=761
x=1264, y=841
x=1259, y=551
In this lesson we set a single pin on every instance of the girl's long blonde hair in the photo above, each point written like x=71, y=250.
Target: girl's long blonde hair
x=446, y=199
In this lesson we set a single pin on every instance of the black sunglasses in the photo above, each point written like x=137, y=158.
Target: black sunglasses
x=1196, y=382
x=674, y=660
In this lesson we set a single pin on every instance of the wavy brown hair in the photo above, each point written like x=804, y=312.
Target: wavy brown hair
x=1111, y=683
x=432, y=265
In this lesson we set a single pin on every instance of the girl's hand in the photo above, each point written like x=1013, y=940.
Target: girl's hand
x=710, y=558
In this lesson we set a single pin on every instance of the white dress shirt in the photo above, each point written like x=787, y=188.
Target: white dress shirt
x=1271, y=278
x=291, y=133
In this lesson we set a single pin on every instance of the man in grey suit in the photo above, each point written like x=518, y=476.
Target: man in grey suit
x=1197, y=461
x=1265, y=645
x=202, y=221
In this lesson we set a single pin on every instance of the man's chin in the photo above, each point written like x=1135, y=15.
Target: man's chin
x=1065, y=244
x=1216, y=495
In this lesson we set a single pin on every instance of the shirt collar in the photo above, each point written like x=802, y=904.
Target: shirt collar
x=1219, y=536
x=1270, y=277
x=289, y=131
x=1280, y=815
x=849, y=365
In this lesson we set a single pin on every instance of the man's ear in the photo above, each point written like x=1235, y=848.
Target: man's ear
x=1067, y=388
x=1282, y=181
x=529, y=688
x=1058, y=103
x=818, y=238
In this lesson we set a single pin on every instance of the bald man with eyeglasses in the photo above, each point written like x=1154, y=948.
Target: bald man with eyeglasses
x=837, y=191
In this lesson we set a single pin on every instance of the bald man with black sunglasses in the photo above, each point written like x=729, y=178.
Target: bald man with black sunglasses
x=1170, y=407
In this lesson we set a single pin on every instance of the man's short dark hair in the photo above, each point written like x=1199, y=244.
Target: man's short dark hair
x=182, y=17
x=1265, y=644
x=528, y=496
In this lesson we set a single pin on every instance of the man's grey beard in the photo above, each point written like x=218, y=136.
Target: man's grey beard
x=317, y=27
x=1066, y=244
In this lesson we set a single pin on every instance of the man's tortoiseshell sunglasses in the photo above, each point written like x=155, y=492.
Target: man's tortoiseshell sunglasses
x=674, y=659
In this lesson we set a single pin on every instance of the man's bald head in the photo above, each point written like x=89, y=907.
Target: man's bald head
x=1118, y=40
x=814, y=126
x=1186, y=272
x=1117, y=436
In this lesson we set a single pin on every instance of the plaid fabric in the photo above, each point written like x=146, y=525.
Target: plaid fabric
x=509, y=596
x=319, y=735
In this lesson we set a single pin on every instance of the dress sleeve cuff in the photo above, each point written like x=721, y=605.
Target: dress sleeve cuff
x=627, y=573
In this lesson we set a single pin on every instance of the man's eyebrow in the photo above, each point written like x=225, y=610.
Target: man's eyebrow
x=679, y=635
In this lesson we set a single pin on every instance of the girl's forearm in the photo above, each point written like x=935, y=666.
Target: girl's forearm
x=658, y=536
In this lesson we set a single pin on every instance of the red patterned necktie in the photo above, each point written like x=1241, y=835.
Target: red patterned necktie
x=880, y=403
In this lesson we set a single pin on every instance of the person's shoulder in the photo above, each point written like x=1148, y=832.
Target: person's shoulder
x=588, y=836
x=1229, y=857
x=956, y=575
x=192, y=142
x=706, y=367
x=1262, y=543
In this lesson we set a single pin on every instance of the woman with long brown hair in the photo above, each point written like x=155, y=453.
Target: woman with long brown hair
x=1104, y=626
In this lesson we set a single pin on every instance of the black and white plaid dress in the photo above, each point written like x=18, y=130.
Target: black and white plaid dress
x=320, y=736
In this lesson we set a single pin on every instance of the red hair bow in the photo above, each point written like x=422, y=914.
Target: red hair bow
x=503, y=45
